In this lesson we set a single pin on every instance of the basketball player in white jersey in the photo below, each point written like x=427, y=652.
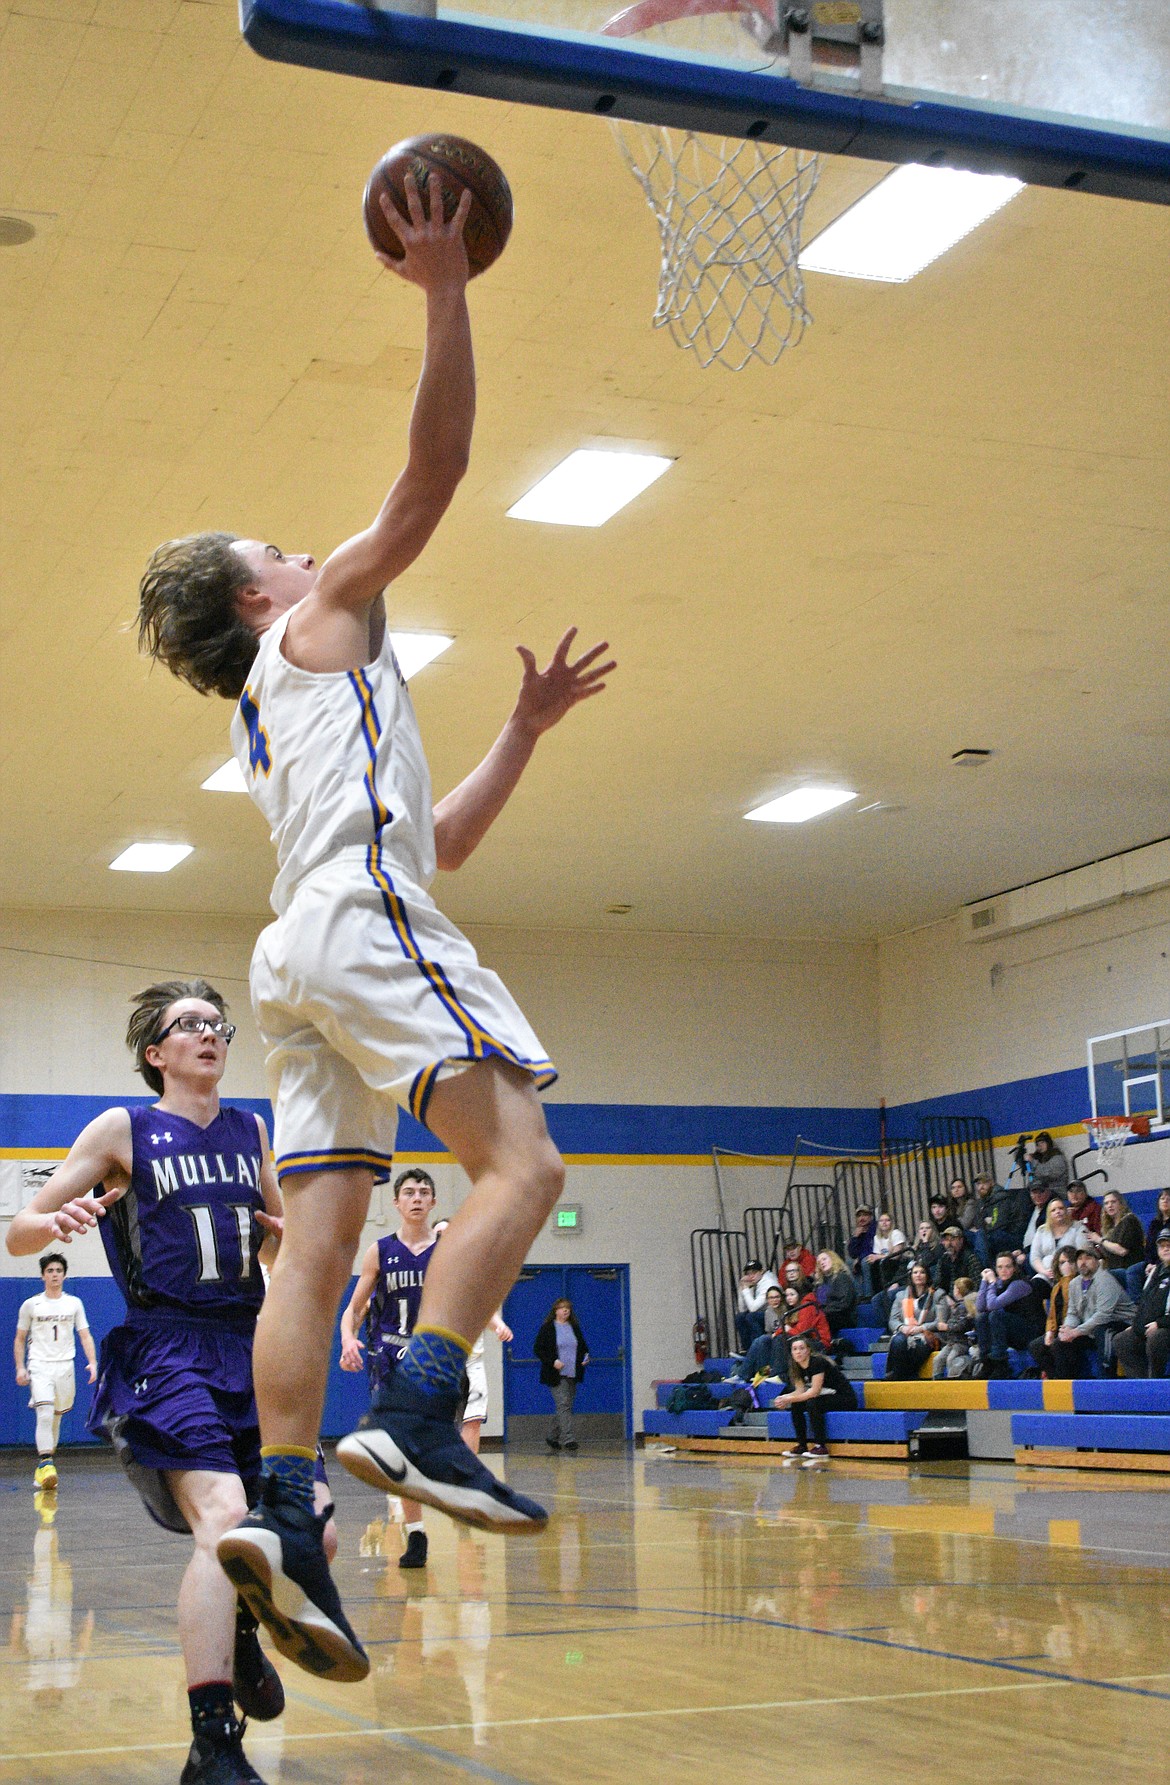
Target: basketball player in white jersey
x=367, y=997
x=47, y=1328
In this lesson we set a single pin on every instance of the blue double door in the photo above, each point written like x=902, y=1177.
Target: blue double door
x=600, y=1297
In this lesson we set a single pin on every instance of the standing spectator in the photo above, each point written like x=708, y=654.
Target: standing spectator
x=1122, y=1239
x=1042, y=1349
x=966, y=1213
x=887, y=1251
x=1048, y=1163
x=818, y=1387
x=958, y=1260
x=1143, y=1349
x=753, y=1289
x=954, y=1359
x=836, y=1291
x=859, y=1248
x=562, y=1353
x=1058, y=1230
x=1098, y=1307
x=917, y=1320
x=802, y=1315
x=1082, y=1207
x=1004, y=1316
x=1005, y=1211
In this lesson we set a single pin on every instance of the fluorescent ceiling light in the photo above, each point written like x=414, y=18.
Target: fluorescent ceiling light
x=151, y=858
x=803, y=803
x=906, y=221
x=414, y=650
x=228, y=779
x=588, y=487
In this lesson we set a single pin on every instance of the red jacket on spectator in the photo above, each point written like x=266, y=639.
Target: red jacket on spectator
x=1089, y=1212
x=807, y=1317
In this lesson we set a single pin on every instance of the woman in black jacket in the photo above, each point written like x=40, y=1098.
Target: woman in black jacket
x=560, y=1349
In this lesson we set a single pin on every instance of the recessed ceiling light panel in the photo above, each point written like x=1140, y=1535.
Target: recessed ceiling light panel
x=414, y=650
x=151, y=858
x=228, y=779
x=589, y=487
x=906, y=221
x=801, y=805
x=971, y=758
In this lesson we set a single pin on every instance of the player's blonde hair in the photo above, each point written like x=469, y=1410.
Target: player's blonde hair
x=188, y=616
x=151, y=1006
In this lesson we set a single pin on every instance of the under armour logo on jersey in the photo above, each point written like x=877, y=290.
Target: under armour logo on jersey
x=141, y=1385
x=259, y=754
x=166, y=1135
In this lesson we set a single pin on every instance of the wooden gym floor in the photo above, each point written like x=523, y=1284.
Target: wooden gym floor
x=678, y=1621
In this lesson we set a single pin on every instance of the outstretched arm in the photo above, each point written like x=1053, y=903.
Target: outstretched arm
x=66, y=1203
x=464, y=816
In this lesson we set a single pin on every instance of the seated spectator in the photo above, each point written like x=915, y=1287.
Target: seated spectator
x=966, y=1206
x=859, y=1246
x=818, y=1387
x=1082, y=1207
x=1122, y=1239
x=1136, y=1276
x=958, y=1260
x=1064, y=1265
x=1098, y=1307
x=928, y=1248
x=941, y=1209
x=798, y=1254
x=1039, y=1196
x=790, y=1272
x=1049, y=1167
x=757, y=1358
x=916, y=1324
x=887, y=1252
x=803, y=1315
x=1058, y=1230
x=1005, y=1316
x=955, y=1357
x=1143, y=1349
x=1004, y=1212
x=753, y=1290
x=836, y=1291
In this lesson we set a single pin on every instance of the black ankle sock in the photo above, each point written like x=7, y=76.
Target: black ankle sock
x=212, y=1713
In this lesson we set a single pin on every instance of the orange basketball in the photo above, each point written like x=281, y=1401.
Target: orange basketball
x=458, y=164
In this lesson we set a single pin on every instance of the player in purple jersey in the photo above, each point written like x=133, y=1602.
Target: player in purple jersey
x=390, y=1287
x=188, y=1197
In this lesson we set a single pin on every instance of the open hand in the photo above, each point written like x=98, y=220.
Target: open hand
x=351, y=1354
x=546, y=695
x=433, y=250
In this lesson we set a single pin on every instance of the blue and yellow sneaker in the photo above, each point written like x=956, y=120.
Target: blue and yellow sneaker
x=275, y=1559
x=45, y=1476
x=408, y=1444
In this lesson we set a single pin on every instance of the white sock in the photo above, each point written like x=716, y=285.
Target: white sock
x=417, y=1526
x=46, y=1436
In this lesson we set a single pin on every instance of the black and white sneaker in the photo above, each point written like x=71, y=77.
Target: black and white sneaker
x=415, y=1553
x=408, y=1445
x=256, y=1684
x=275, y=1559
x=217, y=1758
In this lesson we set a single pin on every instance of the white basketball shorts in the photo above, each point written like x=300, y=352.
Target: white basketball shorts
x=53, y=1383
x=365, y=996
x=477, y=1399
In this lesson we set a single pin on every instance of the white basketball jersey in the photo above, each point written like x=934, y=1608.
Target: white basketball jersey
x=49, y=1322
x=335, y=762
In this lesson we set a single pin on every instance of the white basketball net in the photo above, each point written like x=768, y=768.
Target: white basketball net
x=1110, y=1134
x=729, y=218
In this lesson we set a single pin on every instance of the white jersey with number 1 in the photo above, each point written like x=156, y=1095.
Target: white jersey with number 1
x=51, y=1322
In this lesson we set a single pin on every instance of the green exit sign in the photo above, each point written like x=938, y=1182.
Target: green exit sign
x=569, y=1218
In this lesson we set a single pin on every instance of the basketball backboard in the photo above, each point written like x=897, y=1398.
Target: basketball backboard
x=1071, y=93
x=1129, y=1073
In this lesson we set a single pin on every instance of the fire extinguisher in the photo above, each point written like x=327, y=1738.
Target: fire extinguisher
x=699, y=1339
